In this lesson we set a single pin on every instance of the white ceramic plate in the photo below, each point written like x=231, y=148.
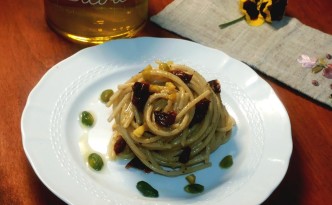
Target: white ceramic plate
x=261, y=143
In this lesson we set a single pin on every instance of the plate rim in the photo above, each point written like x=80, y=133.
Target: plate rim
x=55, y=69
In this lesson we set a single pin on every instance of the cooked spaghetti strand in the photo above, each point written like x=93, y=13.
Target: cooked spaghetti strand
x=181, y=122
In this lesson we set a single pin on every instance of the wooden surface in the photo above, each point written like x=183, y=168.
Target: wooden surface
x=28, y=48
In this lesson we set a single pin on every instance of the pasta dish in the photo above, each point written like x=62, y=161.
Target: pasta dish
x=170, y=118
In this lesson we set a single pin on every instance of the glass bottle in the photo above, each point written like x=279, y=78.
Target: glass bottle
x=96, y=21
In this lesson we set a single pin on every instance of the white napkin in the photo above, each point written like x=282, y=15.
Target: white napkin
x=272, y=49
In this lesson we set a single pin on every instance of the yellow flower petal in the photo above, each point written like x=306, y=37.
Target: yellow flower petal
x=250, y=8
x=265, y=10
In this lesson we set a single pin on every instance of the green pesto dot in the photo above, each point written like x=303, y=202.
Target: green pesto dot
x=226, y=162
x=87, y=119
x=95, y=161
x=146, y=189
x=194, y=188
x=105, y=95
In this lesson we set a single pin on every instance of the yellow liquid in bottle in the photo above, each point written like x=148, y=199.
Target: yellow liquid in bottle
x=83, y=22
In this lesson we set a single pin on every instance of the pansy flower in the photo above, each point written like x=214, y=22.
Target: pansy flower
x=256, y=12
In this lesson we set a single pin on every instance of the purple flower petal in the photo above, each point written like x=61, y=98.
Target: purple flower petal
x=306, y=61
x=327, y=72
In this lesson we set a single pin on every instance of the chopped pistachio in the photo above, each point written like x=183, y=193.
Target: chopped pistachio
x=191, y=179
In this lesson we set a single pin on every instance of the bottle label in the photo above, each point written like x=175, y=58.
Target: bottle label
x=98, y=2
x=87, y=2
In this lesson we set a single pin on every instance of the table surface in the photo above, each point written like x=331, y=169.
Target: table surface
x=28, y=48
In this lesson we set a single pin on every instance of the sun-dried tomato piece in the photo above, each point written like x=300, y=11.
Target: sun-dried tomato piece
x=164, y=119
x=119, y=145
x=185, y=77
x=141, y=95
x=215, y=85
x=185, y=155
x=201, y=109
x=138, y=164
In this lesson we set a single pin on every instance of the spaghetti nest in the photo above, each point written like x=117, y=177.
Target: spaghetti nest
x=170, y=118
